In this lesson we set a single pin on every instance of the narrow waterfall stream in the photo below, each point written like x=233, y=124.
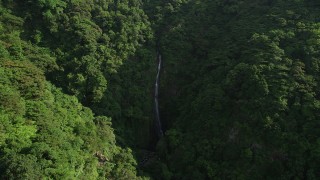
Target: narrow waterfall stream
x=156, y=103
x=148, y=155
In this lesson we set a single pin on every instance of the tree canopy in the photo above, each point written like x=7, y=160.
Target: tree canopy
x=239, y=89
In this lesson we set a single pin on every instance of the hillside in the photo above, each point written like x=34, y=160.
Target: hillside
x=238, y=89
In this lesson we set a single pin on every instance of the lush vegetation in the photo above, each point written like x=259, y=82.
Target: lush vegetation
x=44, y=133
x=239, y=90
x=245, y=80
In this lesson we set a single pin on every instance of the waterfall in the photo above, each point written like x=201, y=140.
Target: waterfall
x=156, y=103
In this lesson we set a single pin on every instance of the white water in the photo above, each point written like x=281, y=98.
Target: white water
x=156, y=103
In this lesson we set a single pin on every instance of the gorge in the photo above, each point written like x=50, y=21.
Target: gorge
x=153, y=89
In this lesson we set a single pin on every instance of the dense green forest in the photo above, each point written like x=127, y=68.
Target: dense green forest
x=239, y=89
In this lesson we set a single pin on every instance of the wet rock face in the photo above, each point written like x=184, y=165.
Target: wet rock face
x=156, y=103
